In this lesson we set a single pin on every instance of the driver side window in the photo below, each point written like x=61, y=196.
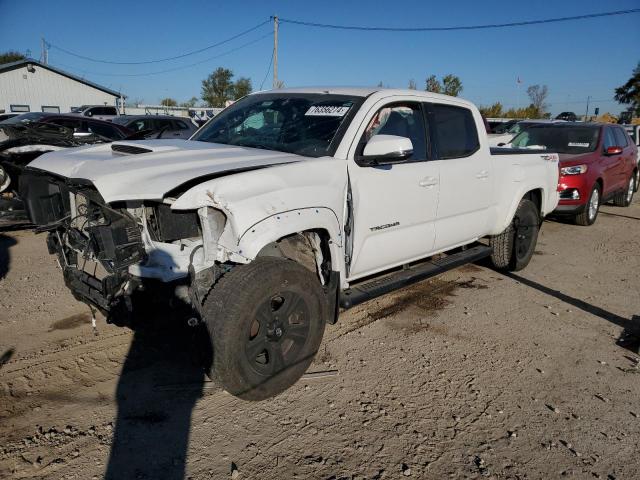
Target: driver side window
x=403, y=120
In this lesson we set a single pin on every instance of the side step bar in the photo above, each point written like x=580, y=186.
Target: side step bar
x=413, y=274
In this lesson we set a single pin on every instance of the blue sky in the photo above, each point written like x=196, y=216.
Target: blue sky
x=575, y=59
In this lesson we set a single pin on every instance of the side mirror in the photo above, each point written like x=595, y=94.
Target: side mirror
x=613, y=151
x=501, y=144
x=386, y=150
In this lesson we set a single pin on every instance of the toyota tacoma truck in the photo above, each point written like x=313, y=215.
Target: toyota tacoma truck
x=286, y=207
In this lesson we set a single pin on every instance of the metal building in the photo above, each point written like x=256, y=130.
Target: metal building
x=30, y=86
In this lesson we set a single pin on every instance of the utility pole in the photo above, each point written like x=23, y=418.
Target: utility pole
x=275, y=51
x=586, y=114
x=44, y=57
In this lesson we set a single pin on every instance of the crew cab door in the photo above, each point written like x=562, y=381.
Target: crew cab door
x=393, y=206
x=465, y=175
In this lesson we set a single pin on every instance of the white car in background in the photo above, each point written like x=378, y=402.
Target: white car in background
x=496, y=140
x=101, y=112
x=634, y=133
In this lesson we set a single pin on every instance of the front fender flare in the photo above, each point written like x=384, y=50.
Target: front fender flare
x=282, y=224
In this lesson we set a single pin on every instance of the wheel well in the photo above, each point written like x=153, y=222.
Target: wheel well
x=536, y=197
x=601, y=183
x=309, y=248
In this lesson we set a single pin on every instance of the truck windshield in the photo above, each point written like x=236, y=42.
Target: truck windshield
x=304, y=124
x=558, y=139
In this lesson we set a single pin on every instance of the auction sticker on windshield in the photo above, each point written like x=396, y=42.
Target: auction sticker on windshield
x=327, y=111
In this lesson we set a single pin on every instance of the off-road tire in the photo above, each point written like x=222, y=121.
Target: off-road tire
x=512, y=251
x=624, y=199
x=240, y=317
x=584, y=218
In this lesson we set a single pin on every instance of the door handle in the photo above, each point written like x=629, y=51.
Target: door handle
x=428, y=182
x=482, y=174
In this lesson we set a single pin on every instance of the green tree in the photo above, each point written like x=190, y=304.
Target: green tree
x=242, y=87
x=412, y=84
x=217, y=88
x=538, y=94
x=11, y=56
x=432, y=84
x=190, y=103
x=629, y=93
x=494, y=111
x=451, y=85
x=168, y=102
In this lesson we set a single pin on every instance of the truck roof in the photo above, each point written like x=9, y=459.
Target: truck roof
x=365, y=92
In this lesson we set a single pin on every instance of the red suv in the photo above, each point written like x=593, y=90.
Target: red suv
x=598, y=163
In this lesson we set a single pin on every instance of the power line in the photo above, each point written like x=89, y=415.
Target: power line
x=158, y=60
x=268, y=69
x=465, y=27
x=244, y=45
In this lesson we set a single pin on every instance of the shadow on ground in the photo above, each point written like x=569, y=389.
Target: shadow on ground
x=6, y=243
x=630, y=337
x=161, y=380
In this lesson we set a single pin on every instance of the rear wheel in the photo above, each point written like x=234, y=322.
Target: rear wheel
x=513, y=248
x=624, y=199
x=590, y=213
x=266, y=321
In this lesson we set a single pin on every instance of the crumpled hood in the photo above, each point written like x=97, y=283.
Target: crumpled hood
x=150, y=175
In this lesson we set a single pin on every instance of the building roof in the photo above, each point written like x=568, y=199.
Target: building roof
x=13, y=65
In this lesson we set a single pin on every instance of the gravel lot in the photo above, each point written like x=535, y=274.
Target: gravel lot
x=474, y=374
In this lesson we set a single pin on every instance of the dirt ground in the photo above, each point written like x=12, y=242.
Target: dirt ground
x=474, y=374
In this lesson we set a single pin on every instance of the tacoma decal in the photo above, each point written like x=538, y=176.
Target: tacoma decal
x=382, y=227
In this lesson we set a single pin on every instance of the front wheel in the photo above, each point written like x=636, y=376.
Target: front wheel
x=266, y=320
x=590, y=213
x=513, y=248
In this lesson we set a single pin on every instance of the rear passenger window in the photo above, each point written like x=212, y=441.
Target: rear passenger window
x=609, y=138
x=621, y=138
x=454, y=131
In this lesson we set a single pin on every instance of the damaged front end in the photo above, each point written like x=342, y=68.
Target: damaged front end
x=94, y=243
x=111, y=253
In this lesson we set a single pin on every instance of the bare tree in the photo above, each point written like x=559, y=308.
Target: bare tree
x=412, y=84
x=538, y=94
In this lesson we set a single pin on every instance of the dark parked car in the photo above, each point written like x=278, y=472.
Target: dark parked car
x=164, y=126
x=80, y=126
x=23, y=141
x=7, y=116
x=567, y=116
x=598, y=163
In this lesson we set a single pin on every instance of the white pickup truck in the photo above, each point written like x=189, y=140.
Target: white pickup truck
x=285, y=207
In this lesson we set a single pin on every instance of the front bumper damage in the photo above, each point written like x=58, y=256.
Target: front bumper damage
x=98, y=245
